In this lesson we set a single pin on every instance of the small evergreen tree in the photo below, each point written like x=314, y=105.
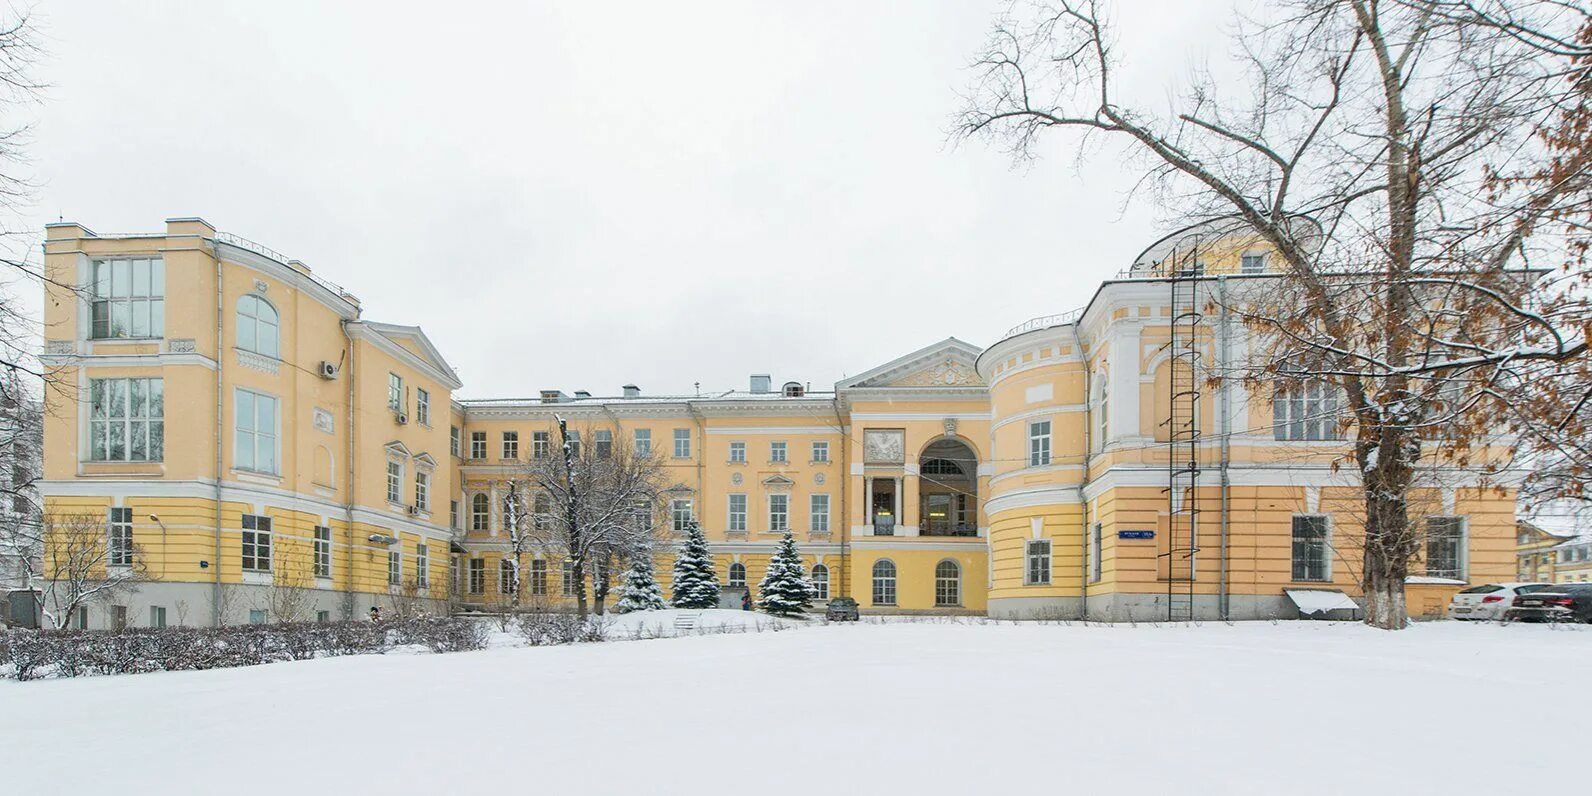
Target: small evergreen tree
x=785, y=589
x=639, y=590
x=696, y=584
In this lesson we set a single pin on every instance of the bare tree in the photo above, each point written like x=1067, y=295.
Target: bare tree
x=78, y=562
x=1356, y=147
x=21, y=466
x=601, y=503
x=292, y=593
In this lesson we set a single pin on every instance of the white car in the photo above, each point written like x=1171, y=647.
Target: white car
x=1489, y=600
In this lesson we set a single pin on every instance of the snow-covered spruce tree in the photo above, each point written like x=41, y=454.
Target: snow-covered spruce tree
x=696, y=584
x=785, y=589
x=639, y=591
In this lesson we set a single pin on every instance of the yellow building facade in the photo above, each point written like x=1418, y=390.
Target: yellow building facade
x=267, y=454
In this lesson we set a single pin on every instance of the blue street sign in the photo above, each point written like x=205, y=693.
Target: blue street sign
x=1135, y=534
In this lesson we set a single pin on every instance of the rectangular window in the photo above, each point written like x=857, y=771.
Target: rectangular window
x=679, y=514
x=1039, y=443
x=539, y=445
x=254, y=444
x=778, y=512
x=126, y=420
x=1037, y=572
x=574, y=444
x=777, y=452
x=1096, y=566
x=323, y=551
x=323, y=616
x=737, y=518
x=395, y=567
x=129, y=298
x=118, y=617
x=120, y=526
x=820, y=513
x=682, y=443
x=1252, y=264
x=157, y=616
x=395, y=392
x=256, y=543
x=1445, y=547
x=569, y=578
x=422, y=407
x=737, y=451
x=477, y=576
x=1310, y=547
x=507, y=584
x=821, y=451
x=1305, y=412
x=542, y=512
x=257, y=616
x=395, y=482
x=453, y=514
x=511, y=445
x=422, y=490
x=539, y=577
x=453, y=440
x=603, y=443
x=643, y=438
x=478, y=445
x=82, y=617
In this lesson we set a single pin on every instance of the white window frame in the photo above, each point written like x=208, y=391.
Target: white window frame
x=395, y=568
x=678, y=520
x=1096, y=553
x=112, y=294
x=778, y=452
x=602, y=443
x=569, y=583
x=256, y=541
x=682, y=443
x=422, y=490
x=478, y=446
x=1306, y=413
x=104, y=419
x=735, y=517
x=641, y=440
x=948, y=586
x=820, y=451
x=395, y=392
x=395, y=482
x=262, y=323
x=255, y=439
x=730, y=576
x=1294, y=573
x=820, y=584
x=323, y=551
x=818, y=512
x=1038, y=443
x=423, y=406
x=537, y=579
x=1461, y=542
x=511, y=445
x=455, y=441
x=778, y=517
x=541, y=444
x=1252, y=263
x=737, y=452
x=480, y=512
x=475, y=576
x=1037, y=552
x=885, y=589
x=119, y=536
x=422, y=564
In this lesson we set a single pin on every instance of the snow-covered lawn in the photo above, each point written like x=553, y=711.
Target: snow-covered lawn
x=897, y=708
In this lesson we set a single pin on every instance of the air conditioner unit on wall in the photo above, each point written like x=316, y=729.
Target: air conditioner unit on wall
x=414, y=511
x=326, y=370
x=402, y=418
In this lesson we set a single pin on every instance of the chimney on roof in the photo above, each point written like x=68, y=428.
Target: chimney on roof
x=579, y=394
x=761, y=382
x=632, y=391
x=554, y=396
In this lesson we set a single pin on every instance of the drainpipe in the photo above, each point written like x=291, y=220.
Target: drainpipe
x=348, y=485
x=845, y=505
x=1224, y=428
x=1083, y=483
x=215, y=589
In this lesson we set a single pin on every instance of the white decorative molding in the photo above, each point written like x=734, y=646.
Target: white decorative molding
x=818, y=478
x=254, y=361
x=324, y=422
x=883, y=445
x=260, y=286
x=59, y=347
x=181, y=345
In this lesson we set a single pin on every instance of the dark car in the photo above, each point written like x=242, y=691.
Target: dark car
x=1561, y=602
x=841, y=609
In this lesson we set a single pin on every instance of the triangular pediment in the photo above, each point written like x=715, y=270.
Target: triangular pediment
x=948, y=363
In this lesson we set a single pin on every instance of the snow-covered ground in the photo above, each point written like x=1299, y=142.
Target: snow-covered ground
x=894, y=708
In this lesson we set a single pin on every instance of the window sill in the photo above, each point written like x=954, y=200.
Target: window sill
x=779, y=461
x=820, y=461
x=257, y=577
x=256, y=476
x=732, y=461
x=124, y=340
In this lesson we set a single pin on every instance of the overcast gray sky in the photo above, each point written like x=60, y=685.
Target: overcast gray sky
x=579, y=195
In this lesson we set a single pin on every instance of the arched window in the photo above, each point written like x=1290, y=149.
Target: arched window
x=947, y=584
x=820, y=582
x=939, y=467
x=480, y=512
x=737, y=575
x=257, y=326
x=884, y=582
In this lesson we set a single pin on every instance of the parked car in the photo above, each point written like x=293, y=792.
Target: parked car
x=1489, y=600
x=841, y=609
x=1561, y=602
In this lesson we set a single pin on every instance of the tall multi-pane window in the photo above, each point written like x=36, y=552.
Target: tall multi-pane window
x=511, y=444
x=478, y=445
x=778, y=512
x=508, y=577
x=821, y=451
x=256, y=543
x=129, y=298
x=453, y=514
x=542, y=511
x=603, y=443
x=395, y=567
x=422, y=490
x=480, y=512
x=1102, y=412
x=422, y=566
x=323, y=551
x=422, y=407
x=679, y=514
x=395, y=392
x=1305, y=412
x=570, y=584
x=395, y=482
x=737, y=576
x=1309, y=547
x=126, y=420
x=682, y=443
x=1037, y=571
x=947, y=584
x=574, y=444
x=1096, y=567
x=538, y=577
x=643, y=442
x=540, y=442
x=777, y=452
x=737, y=451
x=1445, y=547
x=255, y=434
x=819, y=506
x=737, y=517
x=453, y=440
x=477, y=575
x=884, y=582
x=257, y=326
x=120, y=531
x=820, y=582
x=1039, y=443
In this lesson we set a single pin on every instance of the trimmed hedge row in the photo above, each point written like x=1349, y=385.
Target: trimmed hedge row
x=30, y=655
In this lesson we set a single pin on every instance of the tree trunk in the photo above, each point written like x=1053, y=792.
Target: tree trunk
x=579, y=571
x=1389, y=540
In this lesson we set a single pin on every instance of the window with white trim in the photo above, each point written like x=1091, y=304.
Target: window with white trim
x=511, y=445
x=570, y=584
x=395, y=567
x=737, y=514
x=538, y=577
x=737, y=452
x=1096, y=565
x=1252, y=264
x=778, y=512
x=574, y=444
x=477, y=575
x=542, y=511
x=157, y=616
x=395, y=392
x=422, y=407
x=508, y=579
x=643, y=442
x=1039, y=443
x=1307, y=411
x=453, y=440
x=679, y=514
x=1102, y=413
x=478, y=445
x=323, y=551
x=256, y=543
x=820, y=451
x=129, y=299
x=255, y=437
x=422, y=490
x=119, y=526
x=737, y=576
x=819, y=512
x=778, y=452
x=1445, y=547
x=453, y=514
x=947, y=584
x=126, y=420
x=682, y=443
x=395, y=482
x=820, y=578
x=480, y=512
x=541, y=443
x=1037, y=555
x=602, y=441
x=257, y=326
x=884, y=582
x=422, y=566
x=1310, y=547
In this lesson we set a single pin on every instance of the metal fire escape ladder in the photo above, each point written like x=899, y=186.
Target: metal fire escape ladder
x=1183, y=435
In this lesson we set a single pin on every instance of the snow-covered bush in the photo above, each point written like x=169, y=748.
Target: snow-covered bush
x=542, y=629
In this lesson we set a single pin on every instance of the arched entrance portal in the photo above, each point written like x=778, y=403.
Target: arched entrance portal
x=948, y=489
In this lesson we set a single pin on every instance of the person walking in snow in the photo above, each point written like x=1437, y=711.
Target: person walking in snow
x=375, y=614
x=746, y=601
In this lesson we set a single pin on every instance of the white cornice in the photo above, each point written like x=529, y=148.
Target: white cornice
x=360, y=330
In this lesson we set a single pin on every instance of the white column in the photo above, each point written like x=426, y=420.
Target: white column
x=492, y=517
x=867, y=505
x=1123, y=359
